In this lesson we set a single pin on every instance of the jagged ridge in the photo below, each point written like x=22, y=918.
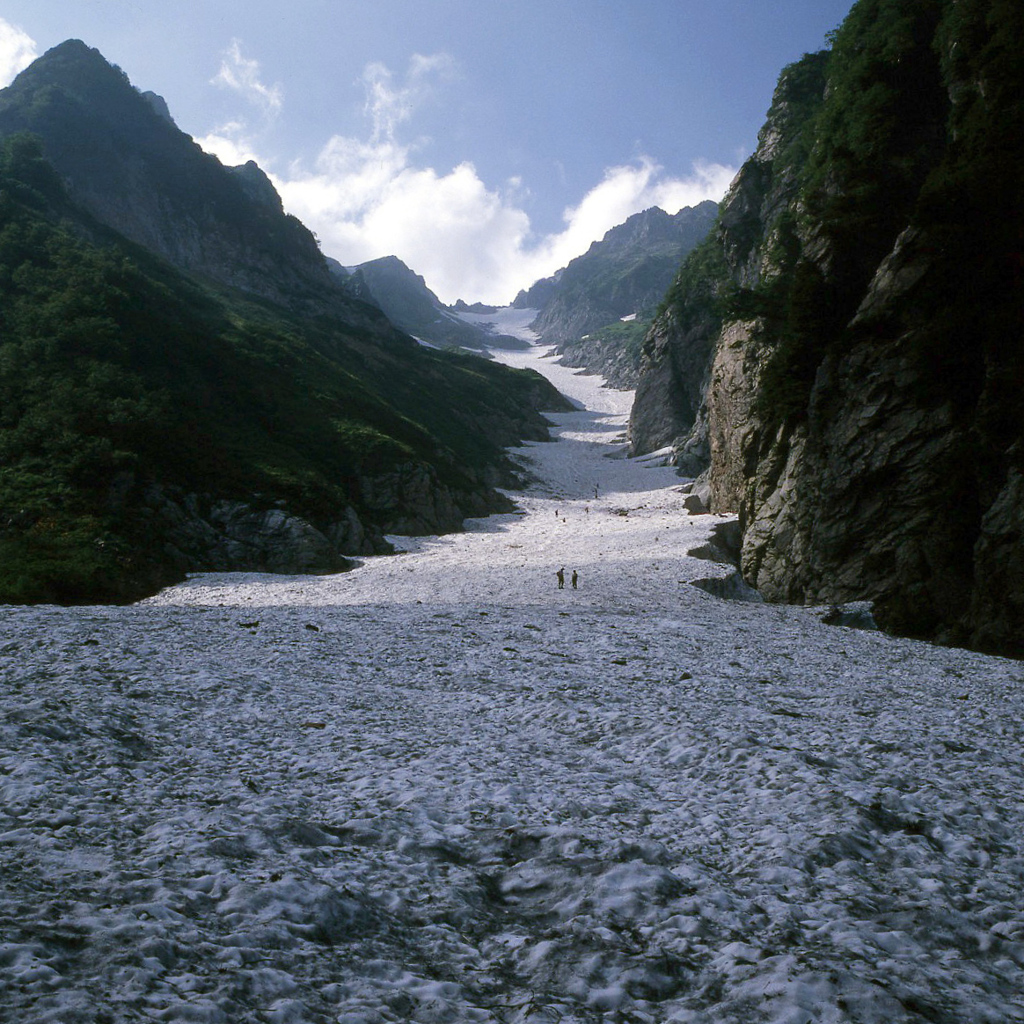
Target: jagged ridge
x=625, y=274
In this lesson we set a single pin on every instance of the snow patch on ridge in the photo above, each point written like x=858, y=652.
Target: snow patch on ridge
x=505, y=320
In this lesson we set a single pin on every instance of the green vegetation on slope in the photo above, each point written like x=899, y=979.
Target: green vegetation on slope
x=873, y=144
x=699, y=291
x=116, y=372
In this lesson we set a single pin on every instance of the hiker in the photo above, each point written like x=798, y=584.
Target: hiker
x=561, y=578
x=575, y=578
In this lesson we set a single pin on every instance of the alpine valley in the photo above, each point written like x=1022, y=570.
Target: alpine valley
x=599, y=726
x=185, y=383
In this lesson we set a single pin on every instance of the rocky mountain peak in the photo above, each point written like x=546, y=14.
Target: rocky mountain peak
x=257, y=185
x=78, y=75
x=654, y=226
x=404, y=296
x=125, y=162
x=626, y=272
x=159, y=104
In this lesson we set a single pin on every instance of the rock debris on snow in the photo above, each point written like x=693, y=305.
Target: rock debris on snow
x=460, y=794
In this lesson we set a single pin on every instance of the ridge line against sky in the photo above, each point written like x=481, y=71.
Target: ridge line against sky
x=392, y=133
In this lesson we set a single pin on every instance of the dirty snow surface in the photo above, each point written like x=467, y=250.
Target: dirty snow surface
x=438, y=788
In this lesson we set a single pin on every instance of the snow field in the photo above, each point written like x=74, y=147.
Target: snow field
x=437, y=788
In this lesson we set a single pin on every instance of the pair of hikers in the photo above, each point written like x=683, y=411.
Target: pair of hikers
x=560, y=575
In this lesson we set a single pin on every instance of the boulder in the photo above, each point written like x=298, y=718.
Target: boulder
x=728, y=588
x=695, y=505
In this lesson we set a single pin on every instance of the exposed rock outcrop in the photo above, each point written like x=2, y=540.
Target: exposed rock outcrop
x=854, y=327
x=203, y=533
x=231, y=536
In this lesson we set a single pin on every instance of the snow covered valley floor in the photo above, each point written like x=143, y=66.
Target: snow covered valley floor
x=437, y=788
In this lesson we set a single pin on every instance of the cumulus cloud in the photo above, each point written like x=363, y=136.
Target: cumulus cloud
x=243, y=76
x=468, y=240
x=368, y=198
x=17, y=51
x=231, y=144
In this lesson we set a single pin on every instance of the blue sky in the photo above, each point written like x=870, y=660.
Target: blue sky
x=485, y=143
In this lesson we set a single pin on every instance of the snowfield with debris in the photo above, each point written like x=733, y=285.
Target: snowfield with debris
x=438, y=788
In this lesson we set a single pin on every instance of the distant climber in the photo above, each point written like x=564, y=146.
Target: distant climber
x=575, y=579
x=561, y=578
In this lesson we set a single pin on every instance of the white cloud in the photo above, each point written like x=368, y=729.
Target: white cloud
x=624, y=191
x=369, y=198
x=469, y=241
x=243, y=76
x=17, y=51
x=236, y=141
x=389, y=105
x=367, y=201
x=230, y=144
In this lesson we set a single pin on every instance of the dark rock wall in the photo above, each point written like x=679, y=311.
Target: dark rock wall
x=202, y=533
x=626, y=272
x=862, y=301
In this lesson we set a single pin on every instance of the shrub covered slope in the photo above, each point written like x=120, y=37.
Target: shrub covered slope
x=139, y=402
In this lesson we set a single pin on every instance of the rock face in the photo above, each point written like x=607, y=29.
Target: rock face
x=671, y=390
x=404, y=296
x=624, y=275
x=125, y=162
x=228, y=536
x=843, y=357
x=203, y=533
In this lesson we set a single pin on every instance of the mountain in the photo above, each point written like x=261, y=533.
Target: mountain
x=404, y=297
x=124, y=161
x=624, y=275
x=845, y=353
x=184, y=385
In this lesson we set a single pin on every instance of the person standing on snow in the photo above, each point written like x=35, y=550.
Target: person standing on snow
x=574, y=579
x=561, y=578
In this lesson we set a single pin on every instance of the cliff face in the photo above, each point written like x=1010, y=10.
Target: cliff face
x=738, y=253
x=861, y=305
x=623, y=275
